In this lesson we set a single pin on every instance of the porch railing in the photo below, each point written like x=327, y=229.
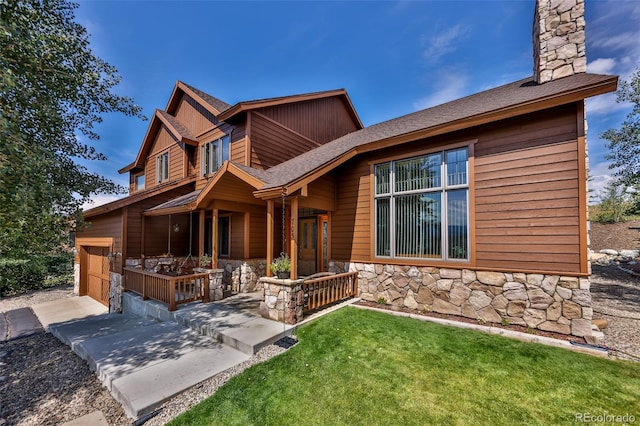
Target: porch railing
x=167, y=289
x=319, y=292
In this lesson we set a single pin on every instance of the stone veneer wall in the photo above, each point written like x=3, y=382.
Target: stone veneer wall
x=243, y=275
x=555, y=303
x=558, y=39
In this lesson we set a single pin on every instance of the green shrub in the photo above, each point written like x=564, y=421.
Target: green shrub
x=34, y=272
x=614, y=205
x=20, y=275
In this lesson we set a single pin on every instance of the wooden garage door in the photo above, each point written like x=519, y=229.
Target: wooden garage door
x=98, y=274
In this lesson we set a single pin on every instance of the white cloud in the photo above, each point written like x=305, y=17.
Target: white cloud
x=444, y=42
x=601, y=66
x=100, y=200
x=599, y=177
x=452, y=86
x=605, y=104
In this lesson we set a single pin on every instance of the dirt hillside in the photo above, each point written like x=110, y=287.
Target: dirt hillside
x=616, y=236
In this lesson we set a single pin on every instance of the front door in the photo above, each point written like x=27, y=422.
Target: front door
x=308, y=246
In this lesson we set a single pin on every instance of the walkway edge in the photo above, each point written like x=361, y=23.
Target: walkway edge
x=523, y=337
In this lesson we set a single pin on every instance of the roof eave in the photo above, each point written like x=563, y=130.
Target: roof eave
x=557, y=99
x=138, y=196
x=243, y=106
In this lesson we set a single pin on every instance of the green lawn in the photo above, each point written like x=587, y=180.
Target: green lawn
x=362, y=367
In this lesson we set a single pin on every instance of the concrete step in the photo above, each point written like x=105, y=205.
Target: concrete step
x=233, y=321
x=144, y=362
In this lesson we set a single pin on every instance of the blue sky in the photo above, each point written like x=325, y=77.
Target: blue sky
x=393, y=57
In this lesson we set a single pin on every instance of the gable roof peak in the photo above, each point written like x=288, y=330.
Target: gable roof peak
x=211, y=103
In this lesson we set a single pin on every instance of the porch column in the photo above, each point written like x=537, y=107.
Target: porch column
x=142, y=240
x=270, y=241
x=201, y=234
x=247, y=235
x=294, y=238
x=214, y=239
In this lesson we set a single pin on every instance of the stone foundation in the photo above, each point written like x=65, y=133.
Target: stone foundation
x=243, y=275
x=216, y=286
x=282, y=299
x=556, y=303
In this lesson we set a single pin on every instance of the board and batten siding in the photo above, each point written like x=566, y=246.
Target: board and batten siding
x=321, y=120
x=525, y=195
x=194, y=116
x=272, y=143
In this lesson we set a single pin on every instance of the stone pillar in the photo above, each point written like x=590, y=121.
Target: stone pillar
x=283, y=300
x=558, y=39
x=115, y=292
x=76, y=279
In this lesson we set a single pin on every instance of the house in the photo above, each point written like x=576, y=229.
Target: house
x=477, y=207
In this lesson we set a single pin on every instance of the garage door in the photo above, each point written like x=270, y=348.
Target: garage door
x=98, y=274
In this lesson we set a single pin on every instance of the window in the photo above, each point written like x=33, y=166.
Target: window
x=214, y=153
x=162, y=167
x=422, y=207
x=138, y=181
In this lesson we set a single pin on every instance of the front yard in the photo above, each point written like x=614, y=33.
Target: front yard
x=361, y=367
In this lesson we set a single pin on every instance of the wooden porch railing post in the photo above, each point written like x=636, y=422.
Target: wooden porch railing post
x=205, y=297
x=144, y=288
x=172, y=295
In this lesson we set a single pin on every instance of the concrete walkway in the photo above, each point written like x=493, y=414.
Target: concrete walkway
x=146, y=359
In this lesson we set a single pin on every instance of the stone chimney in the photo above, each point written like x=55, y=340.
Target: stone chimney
x=558, y=39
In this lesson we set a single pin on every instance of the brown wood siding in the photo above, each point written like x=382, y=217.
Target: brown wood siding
x=193, y=115
x=526, y=194
x=258, y=246
x=350, y=223
x=237, y=236
x=321, y=120
x=534, y=223
x=272, y=143
x=321, y=194
x=107, y=225
x=164, y=140
x=237, y=154
x=156, y=241
x=231, y=188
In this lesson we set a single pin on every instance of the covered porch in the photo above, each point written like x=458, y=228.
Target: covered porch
x=235, y=235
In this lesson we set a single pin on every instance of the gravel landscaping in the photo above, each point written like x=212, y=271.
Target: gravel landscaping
x=42, y=382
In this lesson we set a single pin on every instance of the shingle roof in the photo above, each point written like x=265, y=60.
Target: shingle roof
x=213, y=101
x=180, y=201
x=262, y=175
x=177, y=125
x=510, y=96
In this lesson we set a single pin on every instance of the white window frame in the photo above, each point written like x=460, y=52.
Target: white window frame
x=210, y=162
x=136, y=184
x=444, y=189
x=162, y=167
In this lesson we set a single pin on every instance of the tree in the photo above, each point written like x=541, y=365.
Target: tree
x=624, y=143
x=53, y=90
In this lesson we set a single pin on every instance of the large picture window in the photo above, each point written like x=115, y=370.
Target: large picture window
x=422, y=207
x=214, y=153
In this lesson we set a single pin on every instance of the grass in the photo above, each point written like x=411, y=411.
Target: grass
x=360, y=367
